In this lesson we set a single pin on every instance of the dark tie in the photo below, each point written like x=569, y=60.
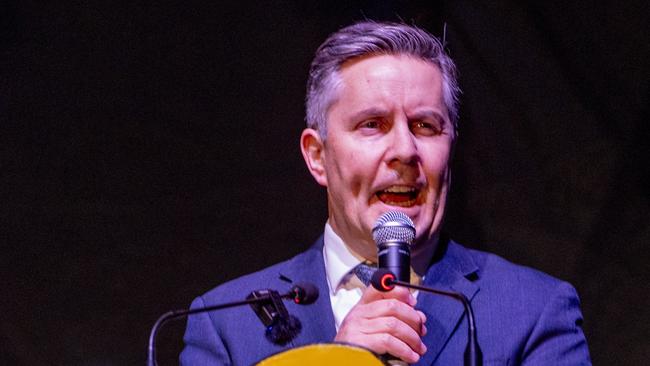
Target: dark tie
x=364, y=272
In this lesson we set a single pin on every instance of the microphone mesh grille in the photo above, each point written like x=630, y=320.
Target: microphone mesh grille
x=394, y=226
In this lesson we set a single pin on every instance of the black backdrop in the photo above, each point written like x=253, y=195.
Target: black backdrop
x=150, y=152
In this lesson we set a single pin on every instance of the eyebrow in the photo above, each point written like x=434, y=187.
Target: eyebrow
x=379, y=112
x=369, y=112
x=429, y=113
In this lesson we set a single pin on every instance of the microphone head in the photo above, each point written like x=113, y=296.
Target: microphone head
x=394, y=226
x=283, y=330
x=304, y=293
x=382, y=280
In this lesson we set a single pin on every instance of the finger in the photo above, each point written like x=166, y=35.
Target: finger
x=402, y=294
x=392, y=308
x=385, y=343
x=423, y=321
x=397, y=329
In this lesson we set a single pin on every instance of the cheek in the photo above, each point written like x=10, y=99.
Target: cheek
x=353, y=167
x=438, y=159
x=437, y=169
x=354, y=175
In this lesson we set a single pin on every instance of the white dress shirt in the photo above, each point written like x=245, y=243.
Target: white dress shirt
x=345, y=288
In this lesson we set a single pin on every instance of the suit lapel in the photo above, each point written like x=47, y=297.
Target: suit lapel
x=317, y=319
x=444, y=314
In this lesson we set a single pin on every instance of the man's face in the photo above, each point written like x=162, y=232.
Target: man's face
x=388, y=146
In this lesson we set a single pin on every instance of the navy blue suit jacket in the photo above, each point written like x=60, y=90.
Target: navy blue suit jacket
x=523, y=317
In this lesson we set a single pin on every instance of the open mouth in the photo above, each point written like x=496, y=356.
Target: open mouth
x=402, y=196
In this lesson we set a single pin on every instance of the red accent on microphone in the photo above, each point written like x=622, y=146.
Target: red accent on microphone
x=387, y=281
x=383, y=280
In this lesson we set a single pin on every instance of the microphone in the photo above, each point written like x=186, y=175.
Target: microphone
x=383, y=280
x=281, y=327
x=394, y=233
x=303, y=293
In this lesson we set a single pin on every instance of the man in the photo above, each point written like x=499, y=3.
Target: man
x=381, y=114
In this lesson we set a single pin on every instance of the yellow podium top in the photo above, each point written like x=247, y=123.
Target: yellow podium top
x=323, y=354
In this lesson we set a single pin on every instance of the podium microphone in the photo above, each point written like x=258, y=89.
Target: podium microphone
x=265, y=303
x=383, y=280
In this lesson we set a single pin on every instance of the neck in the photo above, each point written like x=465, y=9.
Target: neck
x=422, y=251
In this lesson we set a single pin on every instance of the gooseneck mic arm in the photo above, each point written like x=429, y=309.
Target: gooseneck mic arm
x=302, y=293
x=384, y=280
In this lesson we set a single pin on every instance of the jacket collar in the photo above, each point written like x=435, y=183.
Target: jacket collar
x=453, y=269
x=317, y=319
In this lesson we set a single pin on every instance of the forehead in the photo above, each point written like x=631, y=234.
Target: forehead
x=394, y=80
x=379, y=60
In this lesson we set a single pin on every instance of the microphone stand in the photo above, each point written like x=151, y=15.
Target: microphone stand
x=175, y=314
x=299, y=294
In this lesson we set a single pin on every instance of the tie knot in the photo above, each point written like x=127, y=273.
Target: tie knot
x=364, y=272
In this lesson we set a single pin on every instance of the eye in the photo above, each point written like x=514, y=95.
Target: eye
x=370, y=124
x=425, y=128
x=373, y=125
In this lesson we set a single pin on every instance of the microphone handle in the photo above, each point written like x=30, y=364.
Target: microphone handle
x=395, y=256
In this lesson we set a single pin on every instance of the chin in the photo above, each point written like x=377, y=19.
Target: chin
x=424, y=223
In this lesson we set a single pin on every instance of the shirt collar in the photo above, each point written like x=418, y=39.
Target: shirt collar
x=338, y=258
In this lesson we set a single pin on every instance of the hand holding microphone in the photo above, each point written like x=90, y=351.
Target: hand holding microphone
x=387, y=323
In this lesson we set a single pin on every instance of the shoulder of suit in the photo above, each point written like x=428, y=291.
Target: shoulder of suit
x=269, y=277
x=496, y=270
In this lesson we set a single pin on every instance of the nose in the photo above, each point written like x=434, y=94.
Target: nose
x=403, y=147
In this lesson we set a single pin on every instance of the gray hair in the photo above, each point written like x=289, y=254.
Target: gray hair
x=372, y=38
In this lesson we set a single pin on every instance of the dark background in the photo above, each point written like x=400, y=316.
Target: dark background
x=150, y=152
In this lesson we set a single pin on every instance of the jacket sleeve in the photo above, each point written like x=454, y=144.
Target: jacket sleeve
x=557, y=337
x=203, y=346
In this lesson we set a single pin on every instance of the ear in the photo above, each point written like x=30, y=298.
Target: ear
x=313, y=151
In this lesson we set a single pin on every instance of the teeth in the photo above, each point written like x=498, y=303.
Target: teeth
x=399, y=189
x=402, y=196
